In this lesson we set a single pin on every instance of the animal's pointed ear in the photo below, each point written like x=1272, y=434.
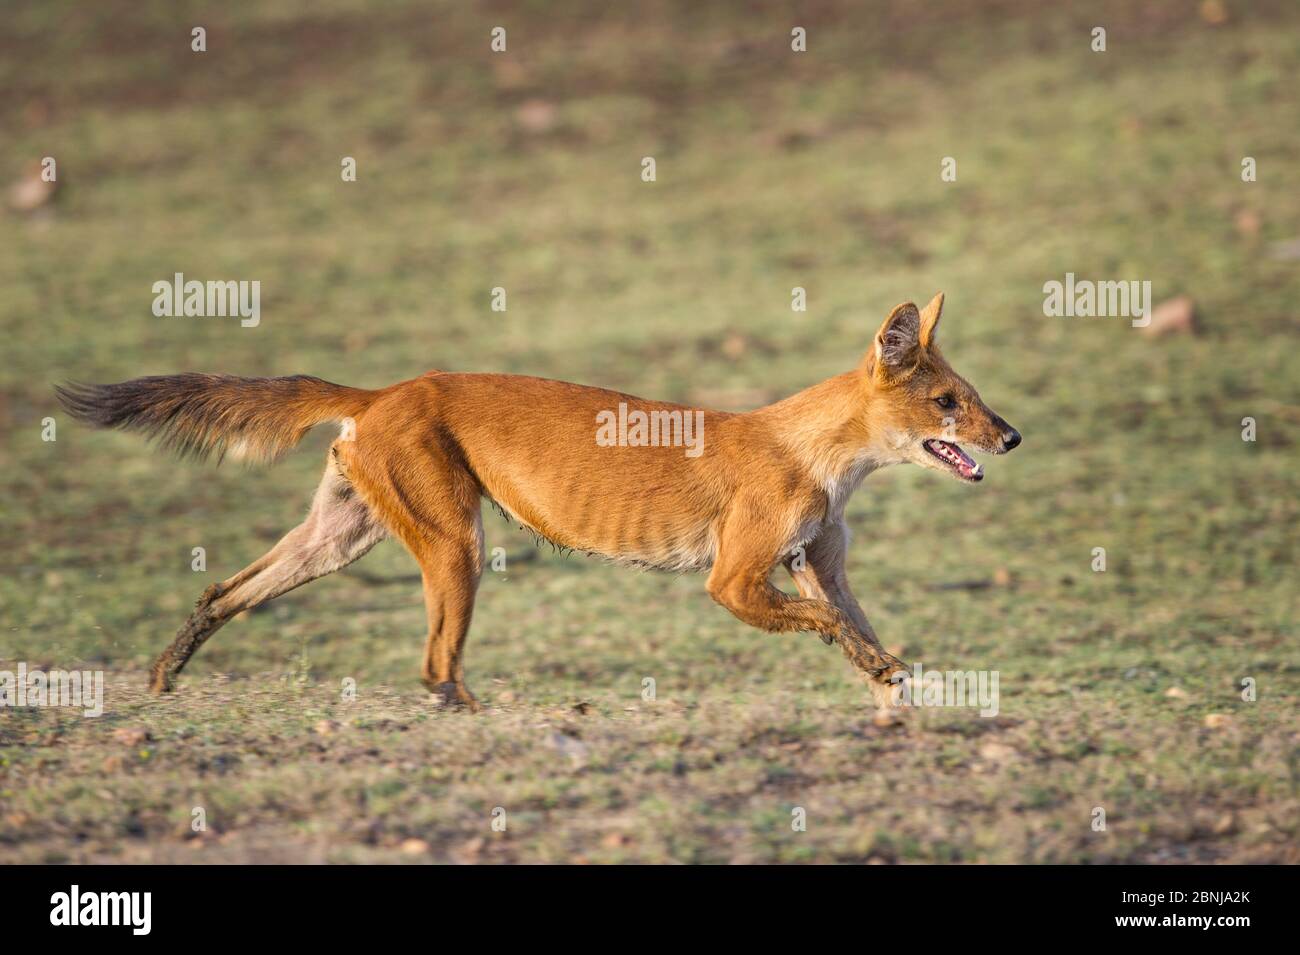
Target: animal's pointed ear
x=899, y=340
x=930, y=320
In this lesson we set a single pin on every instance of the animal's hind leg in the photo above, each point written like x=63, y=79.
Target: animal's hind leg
x=452, y=566
x=431, y=502
x=339, y=529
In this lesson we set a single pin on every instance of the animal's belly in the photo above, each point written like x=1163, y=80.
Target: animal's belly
x=637, y=540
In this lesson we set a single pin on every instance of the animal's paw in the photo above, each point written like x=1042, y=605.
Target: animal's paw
x=890, y=682
x=453, y=695
x=162, y=679
x=891, y=667
x=892, y=691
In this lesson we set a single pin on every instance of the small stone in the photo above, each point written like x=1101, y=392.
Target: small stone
x=1218, y=721
x=568, y=746
x=1248, y=223
x=996, y=752
x=469, y=851
x=1176, y=693
x=414, y=847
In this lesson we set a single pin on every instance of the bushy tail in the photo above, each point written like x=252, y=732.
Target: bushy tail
x=199, y=415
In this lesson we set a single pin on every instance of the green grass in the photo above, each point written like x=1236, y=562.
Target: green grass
x=775, y=169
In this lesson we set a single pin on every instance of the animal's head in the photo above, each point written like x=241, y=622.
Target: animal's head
x=921, y=410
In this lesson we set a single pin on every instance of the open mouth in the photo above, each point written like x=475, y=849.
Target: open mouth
x=957, y=460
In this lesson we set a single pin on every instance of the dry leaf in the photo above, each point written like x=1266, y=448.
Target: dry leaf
x=130, y=735
x=1172, y=317
x=327, y=728
x=536, y=115
x=1214, y=12
x=31, y=191
x=1247, y=223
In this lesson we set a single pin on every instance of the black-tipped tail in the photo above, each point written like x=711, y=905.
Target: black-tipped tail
x=199, y=415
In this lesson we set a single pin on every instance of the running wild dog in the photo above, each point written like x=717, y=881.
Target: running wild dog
x=414, y=460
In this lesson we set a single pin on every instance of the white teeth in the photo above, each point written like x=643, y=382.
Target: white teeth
x=950, y=454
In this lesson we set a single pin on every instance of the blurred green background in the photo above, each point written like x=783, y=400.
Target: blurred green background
x=775, y=169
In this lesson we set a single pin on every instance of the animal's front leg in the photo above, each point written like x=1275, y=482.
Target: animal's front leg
x=819, y=573
x=739, y=581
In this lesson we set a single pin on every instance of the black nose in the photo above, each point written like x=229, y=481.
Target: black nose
x=1011, y=439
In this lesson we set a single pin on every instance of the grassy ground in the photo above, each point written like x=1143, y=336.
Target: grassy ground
x=775, y=169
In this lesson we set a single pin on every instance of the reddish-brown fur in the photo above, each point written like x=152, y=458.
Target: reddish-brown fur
x=416, y=458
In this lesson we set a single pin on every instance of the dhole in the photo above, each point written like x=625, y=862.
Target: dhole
x=414, y=460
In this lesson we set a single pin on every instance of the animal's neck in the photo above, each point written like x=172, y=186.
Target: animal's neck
x=825, y=430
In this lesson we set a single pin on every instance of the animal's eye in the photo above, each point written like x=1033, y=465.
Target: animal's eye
x=944, y=401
